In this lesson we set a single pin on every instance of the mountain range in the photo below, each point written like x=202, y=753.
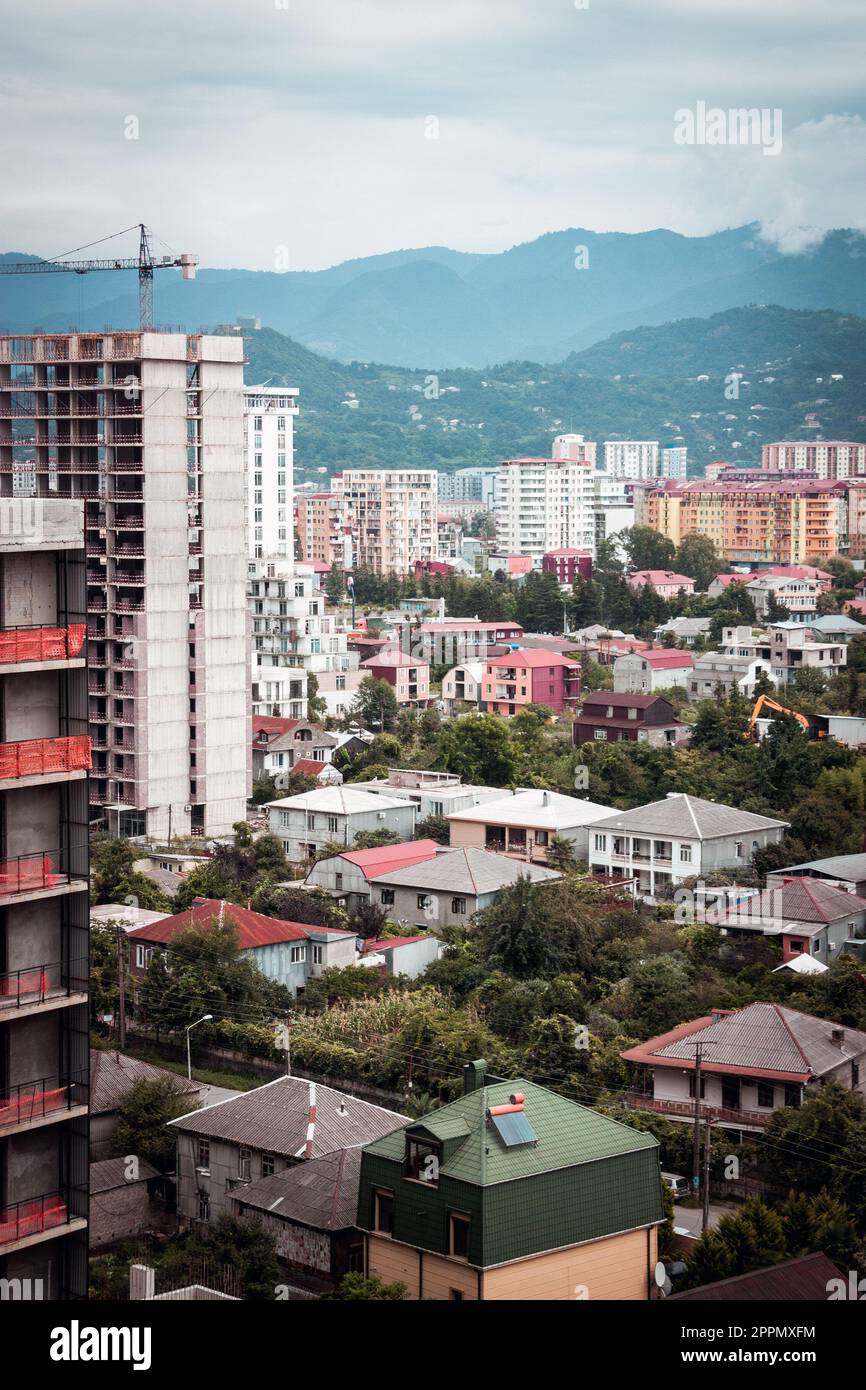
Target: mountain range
x=437, y=309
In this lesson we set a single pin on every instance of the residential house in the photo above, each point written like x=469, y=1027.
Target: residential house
x=642, y=673
x=512, y=1192
x=408, y=675
x=408, y=956
x=335, y=815
x=463, y=639
x=451, y=887
x=798, y=596
x=844, y=870
x=615, y=717
x=112, y=1077
x=126, y=1201
x=661, y=844
x=349, y=876
x=807, y=916
x=567, y=564
x=529, y=676
x=807, y=1279
x=265, y=1131
x=836, y=627
x=666, y=583
x=290, y=953
x=310, y=1211
x=721, y=674
x=687, y=630
x=524, y=824
x=432, y=793
x=462, y=686
x=277, y=750
x=755, y=1061
x=792, y=651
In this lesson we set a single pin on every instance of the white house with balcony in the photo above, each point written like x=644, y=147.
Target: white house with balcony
x=662, y=844
x=335, y=815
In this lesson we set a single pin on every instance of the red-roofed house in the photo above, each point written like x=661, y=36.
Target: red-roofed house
x=409, y=675
x=643, y=673
x=348, y=875
x=807, y=915
x=667, y=583
x=606, y=716
x=855, y=608
x=278, y=744
x=287, y=952
x=529, y=676
x=755, y=1060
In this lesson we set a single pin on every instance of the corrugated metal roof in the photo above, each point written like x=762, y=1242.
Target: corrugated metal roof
x=321, y=1193
x=567, y=1133
x=848, y=866
x=539, y=809
x=273, y=1118
x=113, y=1074
x=689, y=818
x=471, y=871
x=387, y=857
x=253, y=928
x=111, y=1173
x=794, y=1281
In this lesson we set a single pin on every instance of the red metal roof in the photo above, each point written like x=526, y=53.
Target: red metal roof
x=386, y=857
x=310, y=767
x=669, y=656
x=269, y=724
x=533, y=656
x=388, y=942
x=254, y=928
x=393, y=657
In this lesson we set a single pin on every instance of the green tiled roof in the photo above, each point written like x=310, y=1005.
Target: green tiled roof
x=568, y=1134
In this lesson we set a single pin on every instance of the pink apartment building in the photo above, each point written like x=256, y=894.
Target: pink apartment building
x=529, y=677
x=666, y=583
x=409, y=675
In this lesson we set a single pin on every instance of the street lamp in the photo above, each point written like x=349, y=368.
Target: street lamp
x=204, y=1019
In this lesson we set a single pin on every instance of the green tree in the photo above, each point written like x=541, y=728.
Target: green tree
x=433, y=828
x=370, y=1288
x=374, y=705
x=697, y=557
x=480, y=749
x=648, y=549
x=317, y=705
x=561, y=855
x=368, y=920
x=513, y=933
x=143, y=1115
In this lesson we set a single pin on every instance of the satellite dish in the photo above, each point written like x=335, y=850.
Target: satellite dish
x=660, y=1275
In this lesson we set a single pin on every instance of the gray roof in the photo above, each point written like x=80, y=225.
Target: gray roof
x=848, y=866
x=685, y=627
x=688, y=818
x=111, y=1173
x=770, y=1037
x=807, y=904
x=322, y=1193
x=274, y=1118
x=113, y=1074
x=835, y=622
x=472, y=871
x=535, y=807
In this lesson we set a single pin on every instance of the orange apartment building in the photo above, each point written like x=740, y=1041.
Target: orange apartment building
x=318, y=520
x=759, y=523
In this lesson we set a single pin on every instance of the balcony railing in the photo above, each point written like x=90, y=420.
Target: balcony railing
x=32, y=1217
x=686, y=1108
x=19, y=644
x=47, y=1095
x=33, y=757
x=31, y=873
x=39, y=984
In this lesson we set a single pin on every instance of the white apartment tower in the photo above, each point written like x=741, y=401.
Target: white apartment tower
x=389, y=515
x=547, y=504
x=147, y=428
x=631, y=458
x=269, y=413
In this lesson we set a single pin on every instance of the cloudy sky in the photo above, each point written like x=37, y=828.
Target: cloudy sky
x=299, y=133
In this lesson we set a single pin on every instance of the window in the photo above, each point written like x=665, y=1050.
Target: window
x=600, y=842
x=245, y=1163
x=766, y=1094
x=269, y=1165
x=143, y=955
x=318, y=955
x=738, y=849
x=793, y=1096
x=600, y=733
x=685, y=854
x=455, y=1295
x=855, y=1073
x=458, y=905
x=458, y=1235
x=383, y=1212
x=692, y=1085
x=424, y=901
x=338, y=881
x=203, y=1210
x=333, y=825
x=422, y=1160
x=387, y=897
x=298, y=953
x=203, y=1154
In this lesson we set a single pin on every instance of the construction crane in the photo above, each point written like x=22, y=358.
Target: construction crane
x=145, y=263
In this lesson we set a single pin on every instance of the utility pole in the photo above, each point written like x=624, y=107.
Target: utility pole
x=705, y=1219
x=696, y=1134
x=121, y=986
x=288, y=1045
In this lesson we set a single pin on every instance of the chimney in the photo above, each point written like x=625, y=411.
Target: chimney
x=837, y=1036
x=474, y=1076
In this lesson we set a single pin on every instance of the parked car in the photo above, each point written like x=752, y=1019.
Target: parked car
x=679, y=1185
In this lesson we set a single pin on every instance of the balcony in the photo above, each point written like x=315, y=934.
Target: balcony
x=39, y=1218
x=20, y=645
x=685, y=1109
x=43, y=757
x=42, y=987
x=40, y=872
x=43, y=1101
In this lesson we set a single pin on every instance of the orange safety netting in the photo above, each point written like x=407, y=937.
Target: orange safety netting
x=24, y=875
x=29, y=1218
x=24, y=982
x=42, y=643
x=33, y=756
x=31, y=1106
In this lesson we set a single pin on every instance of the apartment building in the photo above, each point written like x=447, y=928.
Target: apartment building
x=673, y=461
x=269, y=413
x=469, y=485
x=547, y=504
x=408, y=676
x=529, y=676
x=389, y=516
x=44, y=915
x=631, y=458
x=667, y=583
x=567, y=565
x=147, y=429
x=292, y=635
x=320, y=531
x=512, y=1192
x=830, y=458
x=756, y=522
